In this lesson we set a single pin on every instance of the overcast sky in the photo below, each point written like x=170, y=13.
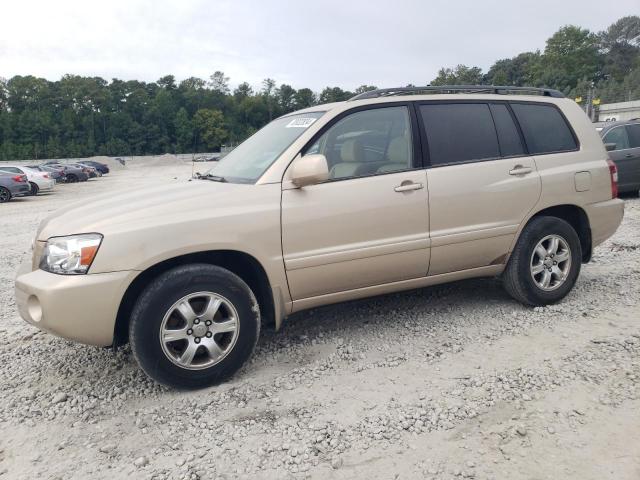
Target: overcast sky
x=305, y=43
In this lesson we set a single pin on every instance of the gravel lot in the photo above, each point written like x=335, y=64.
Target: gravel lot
x=449, y=382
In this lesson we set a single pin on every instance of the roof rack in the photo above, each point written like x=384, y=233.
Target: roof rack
x=498, y=90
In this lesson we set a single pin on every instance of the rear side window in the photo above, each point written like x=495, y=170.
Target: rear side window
x=508, y=135
x=459, y=132
x=545, y=130
x=633, y=131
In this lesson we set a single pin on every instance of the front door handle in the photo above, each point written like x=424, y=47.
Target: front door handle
x=406, y=187
x=628, y=155
x=520, y=170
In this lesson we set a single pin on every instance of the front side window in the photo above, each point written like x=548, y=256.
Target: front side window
x=617, y=136
x=544, y=128
x=633, y=132
x=249, y=160
x=459, y=132
x=367, y=142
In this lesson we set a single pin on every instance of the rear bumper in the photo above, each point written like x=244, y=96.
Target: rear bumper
x=604, y=219
x=20, y=190
x=82, y=308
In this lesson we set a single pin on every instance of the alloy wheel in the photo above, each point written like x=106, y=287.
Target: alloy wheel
x=550, y=262
x=199, y=330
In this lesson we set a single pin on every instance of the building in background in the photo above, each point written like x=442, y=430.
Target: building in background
x=611, y=112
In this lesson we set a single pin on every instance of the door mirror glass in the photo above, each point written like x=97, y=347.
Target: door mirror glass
x=309, y=170
x=610, y=146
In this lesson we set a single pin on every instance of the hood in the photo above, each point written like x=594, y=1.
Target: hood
x=135, y=209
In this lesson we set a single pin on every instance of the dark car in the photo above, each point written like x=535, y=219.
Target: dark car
x=622, y=139
x=101, y=167
x=91, y=171
x=12, y=185
x=73, y=173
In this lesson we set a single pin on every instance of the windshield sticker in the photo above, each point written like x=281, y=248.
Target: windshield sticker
x=300, y=123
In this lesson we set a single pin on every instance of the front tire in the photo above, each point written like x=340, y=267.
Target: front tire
x=545, y=264
x=194, y=326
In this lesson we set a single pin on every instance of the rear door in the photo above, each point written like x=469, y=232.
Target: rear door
x=626, y=154
x=481, y=182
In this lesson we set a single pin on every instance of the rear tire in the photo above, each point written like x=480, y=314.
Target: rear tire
x=536, y=274
x=5, y=195
x=34, y=189
x=194, y=326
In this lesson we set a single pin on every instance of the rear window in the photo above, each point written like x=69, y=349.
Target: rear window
x=544, y=128
x=459, y=132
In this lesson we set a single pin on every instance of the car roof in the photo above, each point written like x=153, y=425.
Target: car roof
x=327, y=107
x=609, y=125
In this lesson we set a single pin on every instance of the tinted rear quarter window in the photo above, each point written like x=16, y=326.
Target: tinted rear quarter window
x=459, y=132
x=508, y=135
x=544, y=128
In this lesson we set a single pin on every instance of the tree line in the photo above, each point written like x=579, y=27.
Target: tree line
x=83, y=116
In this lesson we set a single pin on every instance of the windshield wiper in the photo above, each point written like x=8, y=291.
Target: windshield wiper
x=215, y=178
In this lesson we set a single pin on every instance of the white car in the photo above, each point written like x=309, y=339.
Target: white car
x=38, y=181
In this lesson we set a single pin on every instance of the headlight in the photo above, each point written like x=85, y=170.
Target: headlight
x=72, y=255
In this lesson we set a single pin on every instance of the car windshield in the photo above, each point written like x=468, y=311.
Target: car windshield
x=249, y=160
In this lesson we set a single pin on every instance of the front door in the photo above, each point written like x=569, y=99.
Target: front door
x=368, y=224
x=626, y=155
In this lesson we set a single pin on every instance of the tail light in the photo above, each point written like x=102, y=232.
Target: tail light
x=613, y=173
x=85, y=170
x=46, y=175
x=19, y=178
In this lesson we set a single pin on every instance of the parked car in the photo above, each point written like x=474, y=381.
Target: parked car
x=38, y=181
x=73, y=173
x=55, y=173
x=91, y=171
x=622, y=139
x=13, y=185
x=393, y=190
x=100, y=167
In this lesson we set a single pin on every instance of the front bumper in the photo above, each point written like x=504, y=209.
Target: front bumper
x=82, y=308
x=604, y=219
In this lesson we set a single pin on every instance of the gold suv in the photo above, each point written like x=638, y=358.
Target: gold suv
x=395, y=189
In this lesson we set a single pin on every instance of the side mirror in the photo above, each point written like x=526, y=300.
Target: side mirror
x=309, y=170
x=610, y=146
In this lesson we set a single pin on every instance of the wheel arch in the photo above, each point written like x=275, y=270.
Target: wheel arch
x=247, y=267
x=575, y=216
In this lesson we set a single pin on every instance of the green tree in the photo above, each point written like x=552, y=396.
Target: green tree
x=210, y=127
x=184, y=131
x=461, y=75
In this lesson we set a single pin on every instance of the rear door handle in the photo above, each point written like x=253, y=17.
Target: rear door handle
x=406, y=187
x=520, y=170
x=628, y=155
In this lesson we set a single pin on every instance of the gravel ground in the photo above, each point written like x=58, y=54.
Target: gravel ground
x=455, y=381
